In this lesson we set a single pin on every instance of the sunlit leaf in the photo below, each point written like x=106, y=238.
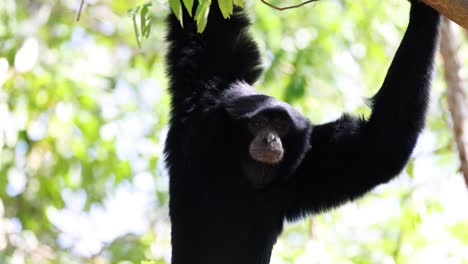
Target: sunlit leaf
x=145, y=21
x=410, y=168
x=176, y=8
x=201, y=15
x=135, y=26
x=143, y=13
x=240, y=3
x=460, y=231
x=226, y=7
x=189, y=6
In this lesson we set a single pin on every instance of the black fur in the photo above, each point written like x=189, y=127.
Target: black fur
x=217, y=216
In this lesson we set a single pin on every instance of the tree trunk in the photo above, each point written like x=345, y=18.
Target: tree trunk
x=456, y=10
x=456, y=96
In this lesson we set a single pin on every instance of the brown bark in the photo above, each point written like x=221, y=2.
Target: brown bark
x=456, y=10
x=456, y=95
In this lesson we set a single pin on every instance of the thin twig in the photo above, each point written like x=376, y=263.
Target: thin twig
x=287, y=7
x=79, y=10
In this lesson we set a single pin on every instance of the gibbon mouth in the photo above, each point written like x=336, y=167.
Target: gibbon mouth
x=266, y=156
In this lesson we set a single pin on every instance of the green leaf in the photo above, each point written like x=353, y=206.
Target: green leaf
x=177, y=10
x=189, y=6
x=143, y=13
x=135, y=27
x=410, y=168
x=226, y=7
x=148, y=4
x=145, y=21
x=238, y=3
x=460, y=231
x=201, y=15
x=146, y=32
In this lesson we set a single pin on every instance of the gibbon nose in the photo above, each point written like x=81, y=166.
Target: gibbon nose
x=272, y=141
x=270, y=138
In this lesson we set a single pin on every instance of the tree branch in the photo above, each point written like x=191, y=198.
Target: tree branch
x=287, y=7
x=455, y=10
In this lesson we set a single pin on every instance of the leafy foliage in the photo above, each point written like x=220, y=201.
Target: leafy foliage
x=144, y=28
x=201, y=13
x=226, y=7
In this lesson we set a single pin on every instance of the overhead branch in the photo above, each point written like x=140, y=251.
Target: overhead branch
x=456, y=95
x=455, y=10
x=287, y=7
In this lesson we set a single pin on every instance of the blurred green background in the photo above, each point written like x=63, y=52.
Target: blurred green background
x=83, y=117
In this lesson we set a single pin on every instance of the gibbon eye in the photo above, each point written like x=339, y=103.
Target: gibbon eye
x=260, y=122
x=257, y=124
x=281, y=126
